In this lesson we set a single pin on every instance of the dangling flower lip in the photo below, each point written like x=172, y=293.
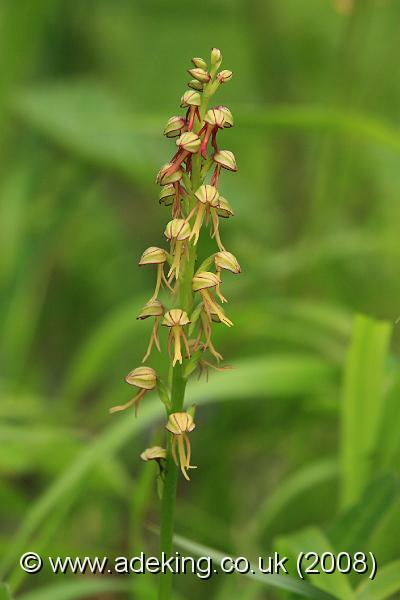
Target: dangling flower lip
x=228, y=117
x=174, y=126
x=205, y=280
x=190, y=98
x=177, y=229
x=179, y=423
x=144, y=378
x=189, y=141
x=153, y=308
x=175, y=317
x=153, y=256
x=154, y=453
x=208, y=194
x=215, y=117
x=226, y=260
x=226, y=159
x=224, y=209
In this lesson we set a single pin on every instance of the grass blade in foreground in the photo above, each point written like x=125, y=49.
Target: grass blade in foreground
x=362, y=404
x=283, y=582
x=385, y=584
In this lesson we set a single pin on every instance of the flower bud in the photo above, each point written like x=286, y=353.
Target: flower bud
x=177, y=229
x=204, y=280
x=190, y=98
x=154, y=453
x=153, y=256
x=208, y=194
x=189, y=141
x=216, y=59
x=163, y=178
x=144, y=378
x=195, y=85
x=226, y=260
x=224, y=76
x=176, y=316
x=224, y=209
x=174, y=126
x=228, y=116
x=200, y=63
x=215, y=117
x=180, y=422
x=200, y=74
x=153, y=308
x=226, y=159
x=167, y=195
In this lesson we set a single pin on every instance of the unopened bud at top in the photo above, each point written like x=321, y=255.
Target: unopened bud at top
x=200, y=63
x=204, y=280
x=208, y=194
x=164, y=176
x=226, y=159
x=200, y=74
x=177, y=229
x=174, y=317
x=153, y=256
x=228, y=122
x=189, y=141
x=190, y=98
x=215, y=117
x=224, y=76
x=179, y=423
x=144, y=378
x=226, y=260
x=216, y=59
x=153, y=308
x=174, y=126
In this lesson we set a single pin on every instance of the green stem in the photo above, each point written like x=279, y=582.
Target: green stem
x=170, y=484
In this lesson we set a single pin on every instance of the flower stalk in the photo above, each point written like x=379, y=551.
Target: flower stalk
x=193, y=298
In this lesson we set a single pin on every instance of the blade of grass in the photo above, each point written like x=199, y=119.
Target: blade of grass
x=85, y=588
x=362, y=403
x=283, y=582
x=385, y=584
x=313, y=539
x=288, y=490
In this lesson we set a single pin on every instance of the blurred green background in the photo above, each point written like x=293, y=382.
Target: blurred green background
x=298, y=447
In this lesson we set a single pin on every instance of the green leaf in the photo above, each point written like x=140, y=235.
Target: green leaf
x=352, y=530
x=385, y=584
x=388, y=444
x=283, y=582
x=313, y=539
x=362, y=404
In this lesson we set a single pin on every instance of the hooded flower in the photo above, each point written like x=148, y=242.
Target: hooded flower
x=176, y=319
x=143, y=378
x=180, y=424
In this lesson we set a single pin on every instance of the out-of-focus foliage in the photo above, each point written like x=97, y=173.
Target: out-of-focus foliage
x=298, y=446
